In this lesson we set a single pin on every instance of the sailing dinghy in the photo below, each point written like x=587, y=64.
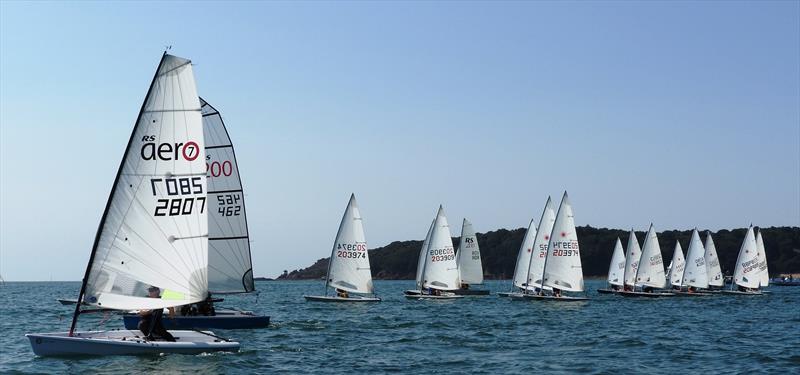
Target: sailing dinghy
x=676, y=267
x=230, y=269
x=348, y=267
x=695, y=274
x=715, y=279
x=762, y=263
x=468, y=261
x=438, y=275
x=747, y=274
x=650, y=270
x=154, y=229
x=523, y=260
x=616, y=270
x=562, y=270
x=533, y=278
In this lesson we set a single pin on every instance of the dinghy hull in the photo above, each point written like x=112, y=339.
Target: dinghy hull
x=692, y=294
x=504, y=294
x=646, y=295
x=607, y=291
x=553, y=298
x=472, y=292
x=224, y=319
x=340, y=299
x=738, y=293
x=124, y=342
x=428, y=296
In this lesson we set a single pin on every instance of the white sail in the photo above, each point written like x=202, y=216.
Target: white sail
x=632, y=255
x=712, y=263
x=155, y=227
x=524, y=256
x=423, y=254
x=349, y=263
x=562, y=268
x=747, y=272
x=542, y=239
x=441, y=271
x=695, y=274
x=616, y=268
x=677, y=266
x=762, y=260
x=651, y=264
x=230, y=267
x=469, y=256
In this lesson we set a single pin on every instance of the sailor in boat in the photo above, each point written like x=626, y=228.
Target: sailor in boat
x=464, y=286
x=205, y=308
x=648, y=289
x=342, y=293
x=556, y=292
x=150, y=323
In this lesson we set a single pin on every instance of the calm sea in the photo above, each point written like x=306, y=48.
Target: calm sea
x=490, y=335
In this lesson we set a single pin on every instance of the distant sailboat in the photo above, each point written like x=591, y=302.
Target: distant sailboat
x=695, y=276
x=468, y=260
x=518, y=280
x=153, y=235
x=439, y=274
x=562, y=269
x=747, y=274
x=538, y=253
x=676, y=267
x=650, y=271
x=762, y=260
x=632, y=254
x=616, y=270
x=348, y=267
x=715, y=279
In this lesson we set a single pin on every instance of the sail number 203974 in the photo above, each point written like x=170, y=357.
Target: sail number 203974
x=177, y=189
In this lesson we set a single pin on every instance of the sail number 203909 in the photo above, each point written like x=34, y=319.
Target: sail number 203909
x=177, y=189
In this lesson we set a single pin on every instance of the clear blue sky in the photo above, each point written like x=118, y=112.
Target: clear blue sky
x=681, y=113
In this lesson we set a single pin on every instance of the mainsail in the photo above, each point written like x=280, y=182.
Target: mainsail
x=539, y=252
x=348, y=268
x=524, y=257
x=677, y=266
x=632, y=255
x=762, y=260
x=651, y=265
x=423, y=254
x=562, y=268
x=712, y=263
x=695, y=274
x=469, y=256
x=230, y=267
x=747, y=272
x=616, y=268
x=154, y=229
x=440, y=270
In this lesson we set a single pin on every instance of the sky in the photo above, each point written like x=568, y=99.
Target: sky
x=684, y=114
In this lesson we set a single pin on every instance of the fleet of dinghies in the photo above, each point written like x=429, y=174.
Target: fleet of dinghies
x=175, y=227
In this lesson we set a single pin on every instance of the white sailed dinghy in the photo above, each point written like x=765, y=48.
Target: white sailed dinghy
x=154, y=229
x=518, y=280
x=715, y=279
x=762, y=260
x=695, y=275
x=468, y=261
x=348, y=267
x=747, y=274
x=632, y=254
x=676, y=267
x=650, y=271
x=230, y=269
x=534, y=274
x=562, y=268
x=438, y=276
x=616, y=270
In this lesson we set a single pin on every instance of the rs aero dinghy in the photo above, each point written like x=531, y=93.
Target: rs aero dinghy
x=230, y=269
x=437, y=271
x=153, y=235
x=468, y=261
x=348, y=268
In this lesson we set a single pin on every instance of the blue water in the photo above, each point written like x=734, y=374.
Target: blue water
x=489, y=335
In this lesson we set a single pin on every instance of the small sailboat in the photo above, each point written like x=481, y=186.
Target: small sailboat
x=348, y=268
x=715, y=279
x=762, y=260
x=468, y=260
x=676, y=267
x=562, y=270
x=230, y=269
x=695, y=275
x=153, y=235
x=632, y=254
x=616, y=270
x=747, y=274
x=650, y=271
x=518, y=280
x=533, y=281
x=438, y=275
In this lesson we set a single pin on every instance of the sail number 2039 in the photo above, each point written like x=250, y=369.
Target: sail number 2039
x=178, y=187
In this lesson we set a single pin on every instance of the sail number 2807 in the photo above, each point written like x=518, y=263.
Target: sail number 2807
x=178, y=187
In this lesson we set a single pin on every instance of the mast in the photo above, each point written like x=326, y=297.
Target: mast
x=427, y=251
x=108, y=203
x=538, y=228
